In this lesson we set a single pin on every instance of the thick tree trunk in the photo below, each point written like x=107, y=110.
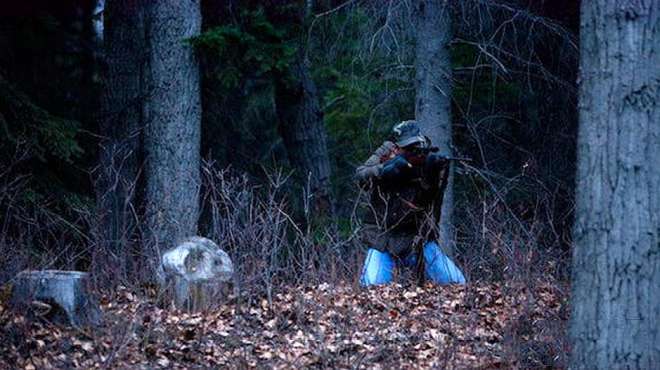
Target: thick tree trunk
x=303, y=133
x=301, y=126
x=172, y=117
x=150, y=122
x=433, y=96
x=616, y=256
x=120, y=126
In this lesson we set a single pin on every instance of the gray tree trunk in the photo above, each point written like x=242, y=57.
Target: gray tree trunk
x=616, y=255
x=151, y=121
x=302, y=128
x=172, y=119
x=433, y=94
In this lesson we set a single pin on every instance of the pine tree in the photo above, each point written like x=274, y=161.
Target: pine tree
x=150, y=155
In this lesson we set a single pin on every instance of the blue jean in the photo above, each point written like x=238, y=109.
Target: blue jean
x=379, y=266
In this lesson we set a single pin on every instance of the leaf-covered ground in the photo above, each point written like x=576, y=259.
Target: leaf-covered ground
x=484, y=326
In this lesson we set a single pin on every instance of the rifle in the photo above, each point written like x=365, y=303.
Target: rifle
x=404, y=166
x=434, y=149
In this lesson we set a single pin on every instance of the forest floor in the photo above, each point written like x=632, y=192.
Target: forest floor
x=483, y=326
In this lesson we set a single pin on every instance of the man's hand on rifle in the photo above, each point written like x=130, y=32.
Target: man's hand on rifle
x=395, y=168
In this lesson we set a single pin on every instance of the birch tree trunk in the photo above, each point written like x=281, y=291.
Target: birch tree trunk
x=433, y=96
x=151, y=121
x=616, y=256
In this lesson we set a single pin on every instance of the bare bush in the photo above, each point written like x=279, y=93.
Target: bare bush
x=520, y=247
x=38, y=230
x=254, y=224
x=272, y=251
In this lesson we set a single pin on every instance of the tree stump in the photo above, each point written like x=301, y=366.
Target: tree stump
x=59, y=296
x=197, y=273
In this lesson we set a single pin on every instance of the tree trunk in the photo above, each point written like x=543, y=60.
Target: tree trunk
x=172, y=118
x=61, y=296
x=120, y=125
x=616, y=256
x=302, y=128
x=433, y=95
x=151, y=123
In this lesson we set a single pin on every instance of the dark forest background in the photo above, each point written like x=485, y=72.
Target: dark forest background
x=513, y=111
x=129, y=125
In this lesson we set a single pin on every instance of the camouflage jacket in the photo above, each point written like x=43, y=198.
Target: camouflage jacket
x=396, y=216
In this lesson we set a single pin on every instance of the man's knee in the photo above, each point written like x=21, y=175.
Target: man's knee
x=378, y=268
x=439, y=267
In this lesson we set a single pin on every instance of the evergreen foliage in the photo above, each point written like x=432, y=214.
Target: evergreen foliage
x=508, y=89
x=253, y=48
x=25, y=123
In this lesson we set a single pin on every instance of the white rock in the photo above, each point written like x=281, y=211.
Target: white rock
x=197, y=273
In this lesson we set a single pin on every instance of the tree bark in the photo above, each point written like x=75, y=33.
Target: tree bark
x=172, y=118
x=302, y=128
x=433, y=94
x=616, y=255
x=303, y=134
x=120, y=126
x=150, y=122
x=65, y=297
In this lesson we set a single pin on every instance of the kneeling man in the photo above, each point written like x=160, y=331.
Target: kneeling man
x=407, y=179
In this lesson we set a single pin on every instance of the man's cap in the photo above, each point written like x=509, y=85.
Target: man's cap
x=408, y=133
